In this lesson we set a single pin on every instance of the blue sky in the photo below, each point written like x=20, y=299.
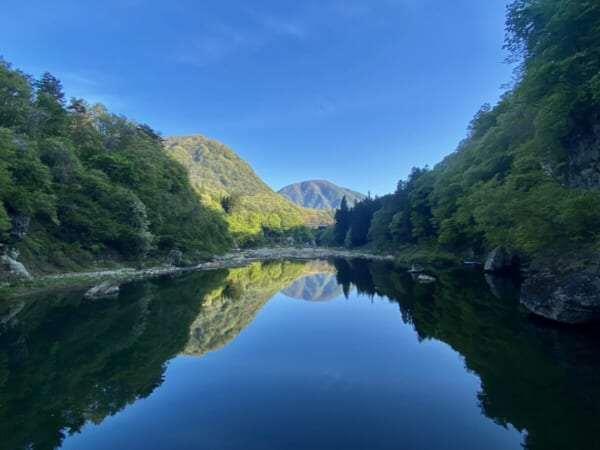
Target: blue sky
x=354, y=91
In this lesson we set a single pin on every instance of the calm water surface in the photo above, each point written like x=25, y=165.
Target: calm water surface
x=348, y=355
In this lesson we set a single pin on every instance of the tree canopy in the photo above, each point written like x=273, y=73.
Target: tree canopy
x=527, y=176
x=92, y=184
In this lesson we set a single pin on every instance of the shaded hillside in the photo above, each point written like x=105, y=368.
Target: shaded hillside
x=319, y=194
x=79, y=184
x=227, y=183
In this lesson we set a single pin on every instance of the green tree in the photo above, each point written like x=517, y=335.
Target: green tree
x=342, y=222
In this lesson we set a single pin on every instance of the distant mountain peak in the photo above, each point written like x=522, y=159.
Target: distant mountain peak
x=319, y=194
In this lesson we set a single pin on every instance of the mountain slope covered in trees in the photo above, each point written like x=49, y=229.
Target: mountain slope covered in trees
x=527, y=176
x=79, y=184
x=319, y=194
x=228, y=184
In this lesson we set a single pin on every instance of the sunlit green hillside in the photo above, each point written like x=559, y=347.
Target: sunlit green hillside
x=227, y=183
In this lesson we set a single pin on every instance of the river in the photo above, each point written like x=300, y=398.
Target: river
x=341, y=354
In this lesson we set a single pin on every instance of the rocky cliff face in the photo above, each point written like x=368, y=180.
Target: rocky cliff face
x=565, y=294
x=583, y=160
x=499, y=260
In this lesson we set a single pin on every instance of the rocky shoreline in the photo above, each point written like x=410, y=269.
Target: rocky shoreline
x=571, y=297
x=85, y=280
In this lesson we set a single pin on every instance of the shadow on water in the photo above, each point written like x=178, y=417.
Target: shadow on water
x=542, y=379
x=65, y=361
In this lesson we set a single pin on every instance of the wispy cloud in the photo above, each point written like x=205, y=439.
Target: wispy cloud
x=220, y=40
x=330, y=105
x=351, y=9
x=279, y=26
x=219, y=43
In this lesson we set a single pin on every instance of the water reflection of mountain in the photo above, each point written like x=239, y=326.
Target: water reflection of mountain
x=317, y=287
x=541, y=380
x=65, y=361
x=232, y=306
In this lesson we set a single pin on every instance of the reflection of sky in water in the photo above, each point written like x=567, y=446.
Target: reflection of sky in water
x=392, y=363
x=341, y=374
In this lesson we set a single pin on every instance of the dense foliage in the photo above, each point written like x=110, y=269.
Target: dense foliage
x=528, y=174
x=80, y=183
x=255, y=214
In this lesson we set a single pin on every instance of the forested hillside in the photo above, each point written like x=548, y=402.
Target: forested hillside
x=319, y=194
x=226, y=183
x=527, y=176
x=79, y=185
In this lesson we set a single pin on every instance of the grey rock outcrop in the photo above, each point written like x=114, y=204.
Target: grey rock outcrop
x=102, y=290
x=498, y=260
x=172, y=257
x=20, y=225
x=12, y=270
x=571, y=298
x=583, y=160
x=425, y=279
x=416, y=268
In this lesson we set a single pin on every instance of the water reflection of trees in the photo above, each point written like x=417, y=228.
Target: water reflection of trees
x=230, y=307
x=542, y=380
x=65, y=361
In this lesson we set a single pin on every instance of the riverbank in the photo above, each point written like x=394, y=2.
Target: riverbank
x=84, y=280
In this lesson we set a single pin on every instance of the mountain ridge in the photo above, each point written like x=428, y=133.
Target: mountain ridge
x=319, y=194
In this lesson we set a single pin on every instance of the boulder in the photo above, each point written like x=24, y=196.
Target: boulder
x=424, y=279
x=102, y=290
x=20, y=225
x=12, y=270
x=416, y=268
x=498, y=260
x=502, y=287
x=571, y=298
x=172, y=257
